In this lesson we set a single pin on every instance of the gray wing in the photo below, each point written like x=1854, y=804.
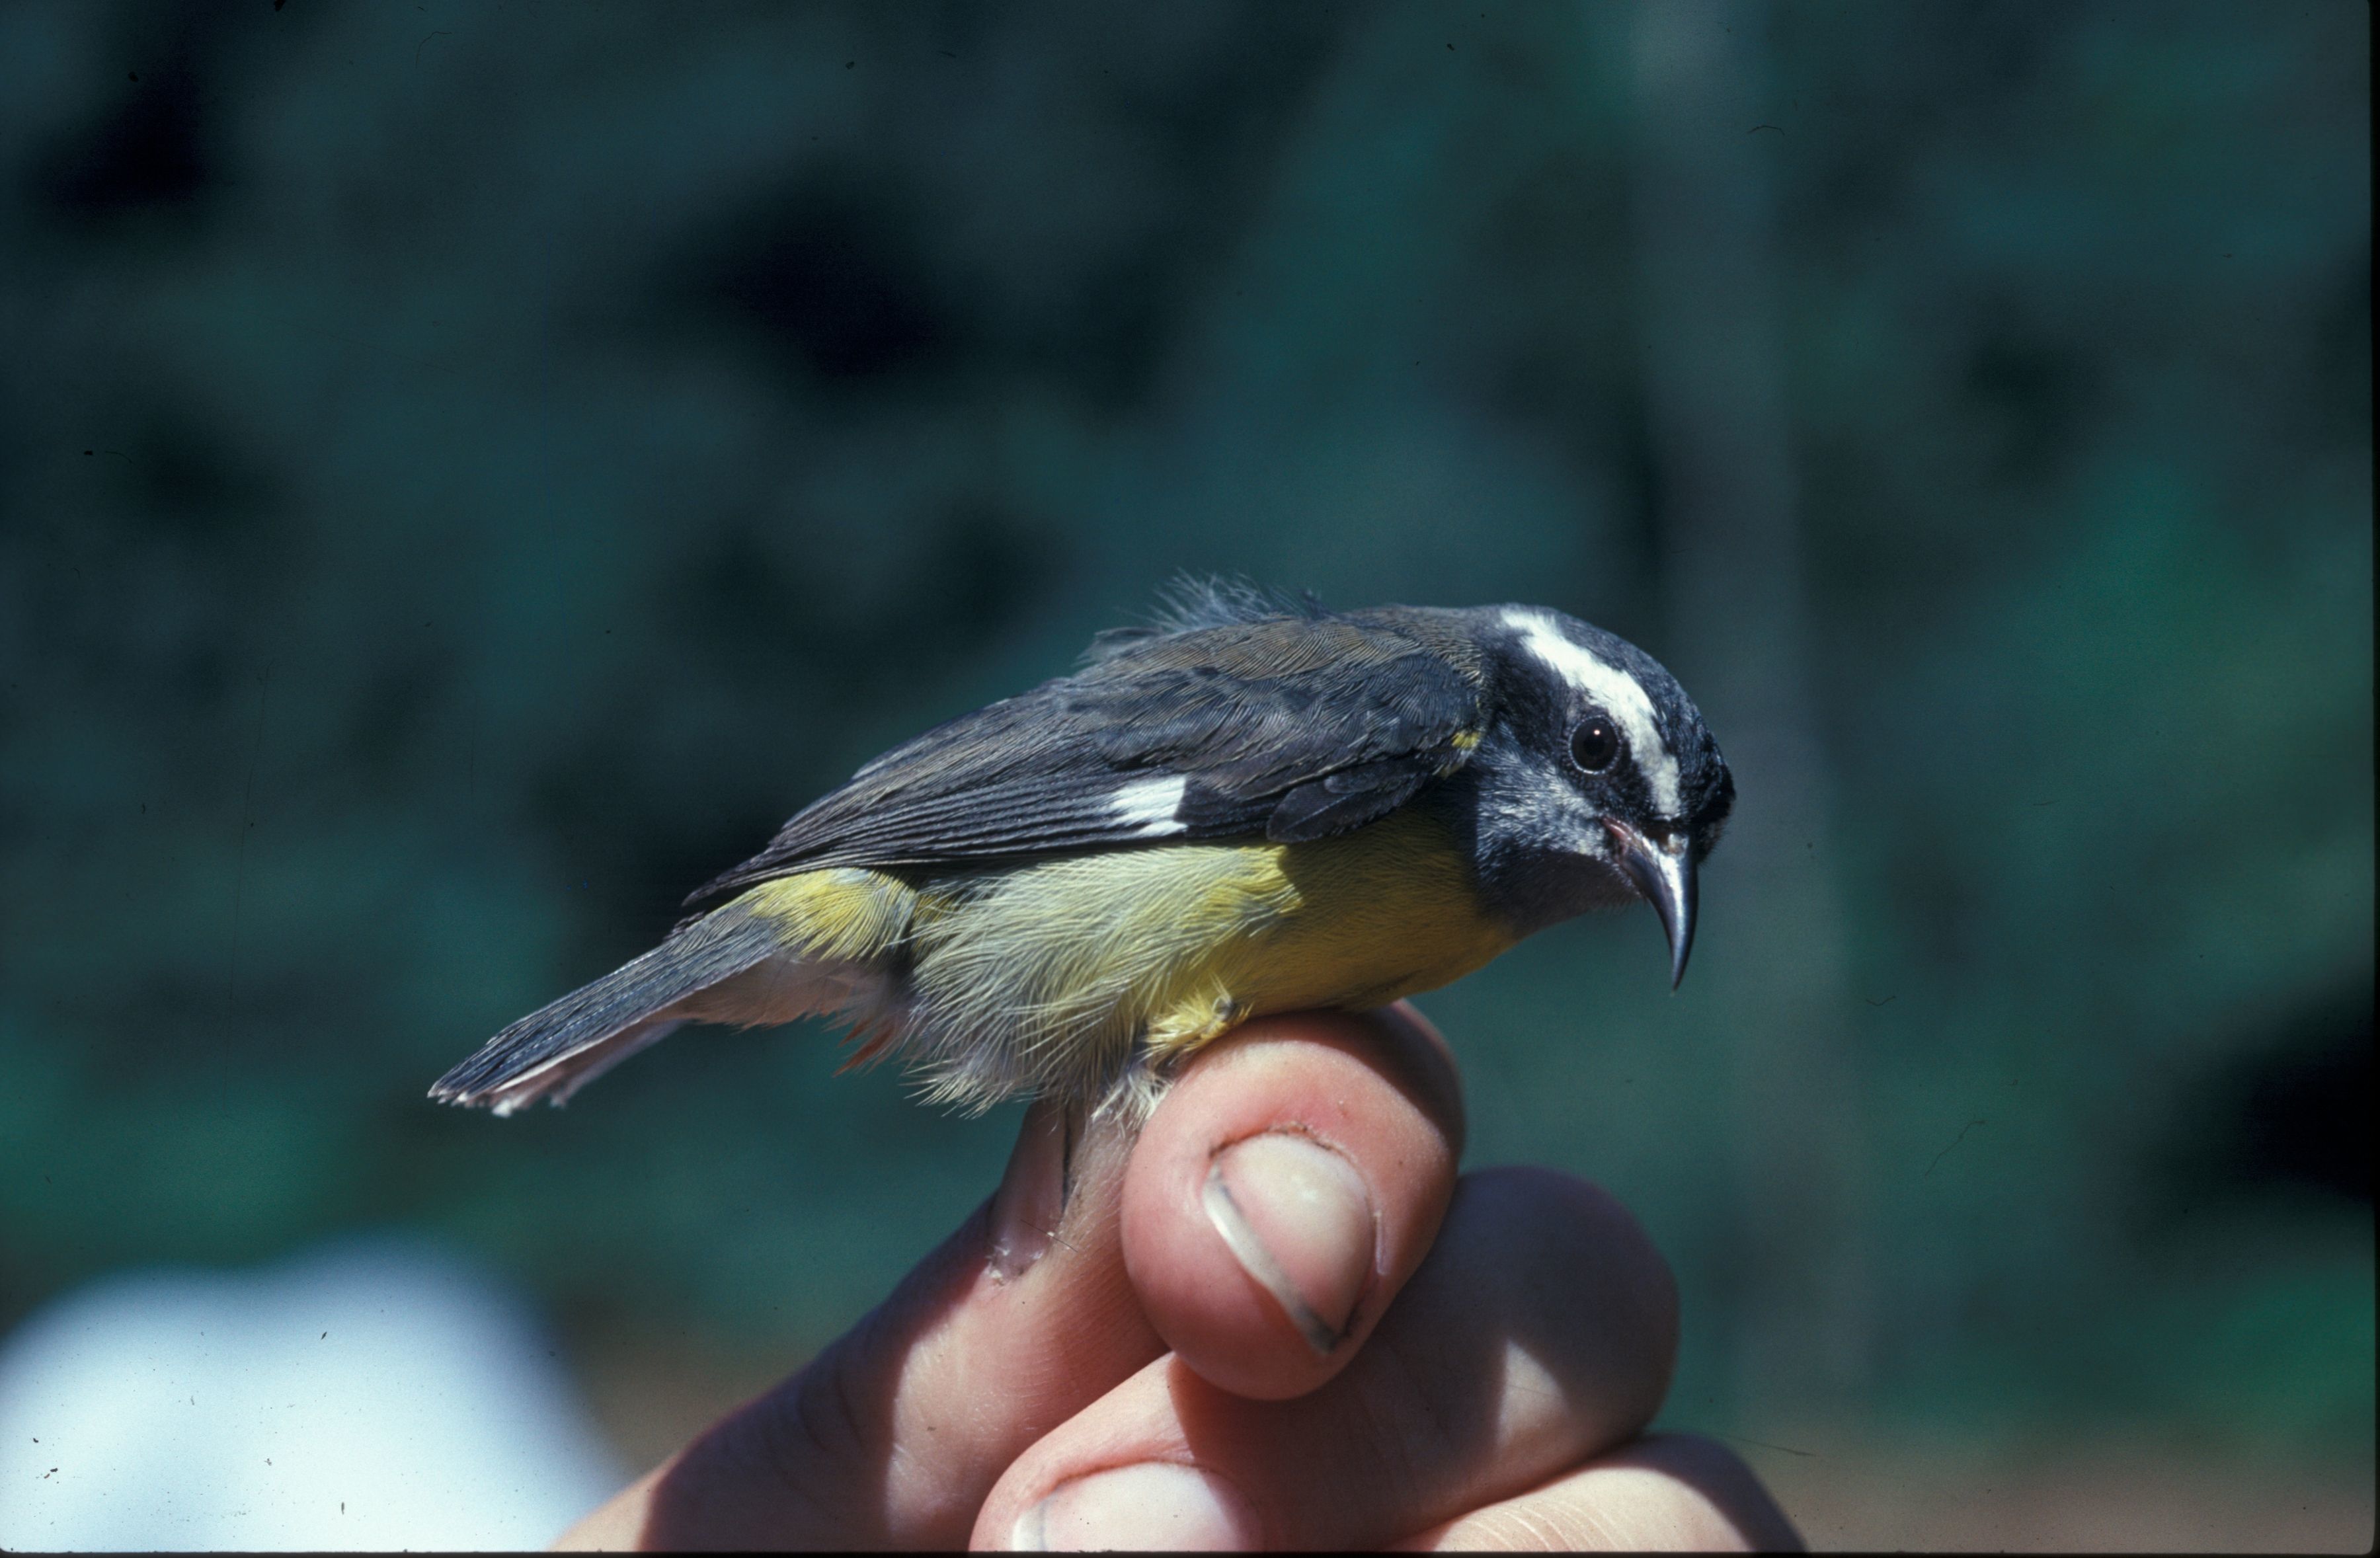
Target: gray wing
x=1287, y=727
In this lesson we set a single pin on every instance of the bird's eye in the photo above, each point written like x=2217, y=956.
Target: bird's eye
x=1594, y=743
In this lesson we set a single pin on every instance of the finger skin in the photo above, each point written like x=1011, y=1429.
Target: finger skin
x=1379, y=1092
x=889, y=1437
x=895, y=1434
x=1539, y=1332
x=1663, y=1493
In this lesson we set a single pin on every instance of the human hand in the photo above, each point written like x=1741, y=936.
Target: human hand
x=1186, y=1338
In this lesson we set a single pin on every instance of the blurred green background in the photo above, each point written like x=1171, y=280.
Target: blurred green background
x=468, y=472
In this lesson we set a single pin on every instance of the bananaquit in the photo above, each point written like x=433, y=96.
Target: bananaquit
x=1247, y=808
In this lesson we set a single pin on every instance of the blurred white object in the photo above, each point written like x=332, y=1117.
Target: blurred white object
x=371, y=1392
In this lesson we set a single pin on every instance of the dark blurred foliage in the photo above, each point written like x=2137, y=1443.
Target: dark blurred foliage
x=467, y=472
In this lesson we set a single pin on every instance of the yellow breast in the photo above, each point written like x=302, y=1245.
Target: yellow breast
x=1045, y=975
x=1364, y=919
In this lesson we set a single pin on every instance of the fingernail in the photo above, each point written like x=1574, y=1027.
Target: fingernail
x=1157, y=1507
x=1032, y=1195
x=1299, y=1219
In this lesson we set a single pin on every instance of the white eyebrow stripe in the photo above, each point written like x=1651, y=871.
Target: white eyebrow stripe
x=1147, y=806
x=1616, y=691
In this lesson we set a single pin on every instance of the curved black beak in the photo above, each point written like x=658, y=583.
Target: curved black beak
x=1664, y=875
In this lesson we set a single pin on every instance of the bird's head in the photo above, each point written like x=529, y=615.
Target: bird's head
x=1595, y=782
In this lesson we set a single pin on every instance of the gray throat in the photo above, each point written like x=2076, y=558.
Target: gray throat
x=1538, y=858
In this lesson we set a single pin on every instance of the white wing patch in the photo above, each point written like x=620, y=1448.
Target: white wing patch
x=1616, y=691
x=1147, y=806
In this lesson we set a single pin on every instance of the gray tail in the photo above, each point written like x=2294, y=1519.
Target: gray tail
x=557, y=1049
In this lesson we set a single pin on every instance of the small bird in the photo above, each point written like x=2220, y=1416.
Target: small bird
x=1251, y=807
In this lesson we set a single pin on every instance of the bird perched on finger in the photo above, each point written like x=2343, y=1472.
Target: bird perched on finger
x=1251, y=807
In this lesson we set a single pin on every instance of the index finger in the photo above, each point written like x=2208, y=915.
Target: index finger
x=891, y=1435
